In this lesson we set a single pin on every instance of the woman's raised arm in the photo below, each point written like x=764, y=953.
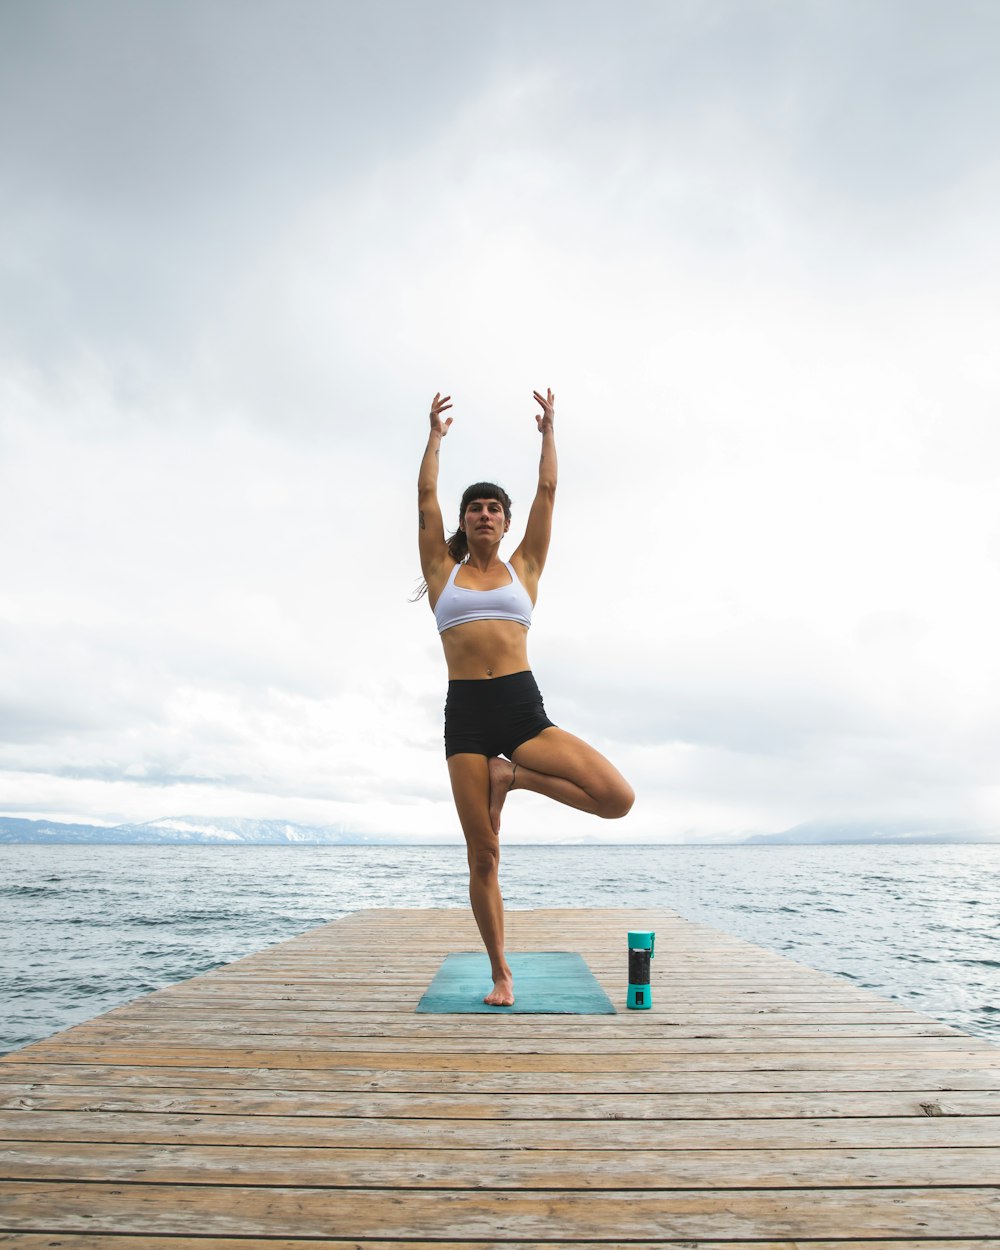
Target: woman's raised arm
x=433, y=547
x=535, y=544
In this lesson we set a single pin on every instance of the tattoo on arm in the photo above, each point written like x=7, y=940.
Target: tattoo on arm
x=422, y=525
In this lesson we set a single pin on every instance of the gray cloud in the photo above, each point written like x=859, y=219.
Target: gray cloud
x=750, y=245
x=151, y=152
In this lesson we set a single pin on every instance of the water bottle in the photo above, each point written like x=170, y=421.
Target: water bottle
x=640, y=952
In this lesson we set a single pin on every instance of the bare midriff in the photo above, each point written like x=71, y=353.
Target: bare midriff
x=479, y=650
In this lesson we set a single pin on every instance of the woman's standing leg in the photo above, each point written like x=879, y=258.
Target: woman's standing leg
x=470, y=784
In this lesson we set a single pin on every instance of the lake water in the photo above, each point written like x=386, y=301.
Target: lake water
x=84, y=928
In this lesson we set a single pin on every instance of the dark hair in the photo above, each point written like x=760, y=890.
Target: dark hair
x=458, y=544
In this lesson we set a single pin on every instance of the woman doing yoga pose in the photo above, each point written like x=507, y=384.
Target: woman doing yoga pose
x=497, y=735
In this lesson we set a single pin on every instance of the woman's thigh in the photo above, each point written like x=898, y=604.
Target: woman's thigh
x=562, y=754
x=470, y=785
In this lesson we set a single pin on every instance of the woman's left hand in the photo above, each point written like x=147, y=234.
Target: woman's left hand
x=546, y=418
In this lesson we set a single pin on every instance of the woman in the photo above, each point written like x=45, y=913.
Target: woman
x=494, y=710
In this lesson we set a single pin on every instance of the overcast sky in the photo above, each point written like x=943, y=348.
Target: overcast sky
x=752, y=246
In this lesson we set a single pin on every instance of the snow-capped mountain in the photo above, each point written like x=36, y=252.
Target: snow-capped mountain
x=185, y=829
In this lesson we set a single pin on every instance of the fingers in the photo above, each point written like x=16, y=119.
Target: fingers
x=546, y=417
x=439, y=405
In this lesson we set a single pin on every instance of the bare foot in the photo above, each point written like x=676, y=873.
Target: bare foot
x=502, y=994
x=501, y=780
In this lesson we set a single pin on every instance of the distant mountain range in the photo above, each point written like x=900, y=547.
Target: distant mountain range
x=233, y=831
x=886, y=833
x=199, y=830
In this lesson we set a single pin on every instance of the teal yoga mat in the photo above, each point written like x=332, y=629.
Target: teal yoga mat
x=545, y=983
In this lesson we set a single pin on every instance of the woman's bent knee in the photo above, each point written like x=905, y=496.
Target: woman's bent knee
x=617, y=802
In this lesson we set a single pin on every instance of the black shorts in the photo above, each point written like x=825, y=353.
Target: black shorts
x=493, y=716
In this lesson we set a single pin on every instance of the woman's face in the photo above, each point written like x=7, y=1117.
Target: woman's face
x=485, y=518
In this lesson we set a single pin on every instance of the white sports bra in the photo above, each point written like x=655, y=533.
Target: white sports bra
x=458, y=604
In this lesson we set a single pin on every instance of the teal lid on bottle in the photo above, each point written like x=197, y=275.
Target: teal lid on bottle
x=642, y=941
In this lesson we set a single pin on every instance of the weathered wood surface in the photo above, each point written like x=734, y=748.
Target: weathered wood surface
x=90, y=1241
x=294, y=1099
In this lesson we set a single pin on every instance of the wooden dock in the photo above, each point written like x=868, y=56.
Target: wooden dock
x=293, y=1098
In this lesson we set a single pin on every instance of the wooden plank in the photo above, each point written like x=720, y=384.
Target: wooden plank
x=651, y=1048
x=517, y=1106
x=91, y=1241
x=155, y=1011
x=617, y=1217
x=857, y=1133
x=116, y=1077
x=402, y=1008
x=504, y=1169
x=198, y=1034
x=816, y=1059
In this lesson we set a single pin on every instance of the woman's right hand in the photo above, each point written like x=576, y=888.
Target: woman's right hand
x=439, y=405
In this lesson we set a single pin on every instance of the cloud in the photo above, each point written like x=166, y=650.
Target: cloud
x=750, y=247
